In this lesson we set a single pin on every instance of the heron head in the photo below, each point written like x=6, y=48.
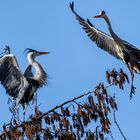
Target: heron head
x=102, y=14
x=34, y=53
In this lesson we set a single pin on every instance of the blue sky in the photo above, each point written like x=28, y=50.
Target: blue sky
x=75, y=64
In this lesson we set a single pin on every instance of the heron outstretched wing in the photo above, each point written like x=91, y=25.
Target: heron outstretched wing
x=102, y=40
x=28, y=71
x=11, y=77
x=132, y=49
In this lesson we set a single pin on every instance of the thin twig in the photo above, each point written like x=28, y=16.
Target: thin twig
x=61, y=105
x=118, y=126
x=69, y=101
x=111, y=135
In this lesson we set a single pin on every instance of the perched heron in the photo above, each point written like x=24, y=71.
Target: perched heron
x=22, y=87
x=114, y=45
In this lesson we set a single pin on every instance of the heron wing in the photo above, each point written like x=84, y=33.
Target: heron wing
x=102, y=40
x=132, y=49
x=10, y=76
x=28, y=71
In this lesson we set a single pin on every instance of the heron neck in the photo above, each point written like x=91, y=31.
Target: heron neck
x=40, y=74
x=114, y=36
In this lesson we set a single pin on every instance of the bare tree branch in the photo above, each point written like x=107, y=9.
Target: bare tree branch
x=61, y=105
x=118, y=126
x=62, y=122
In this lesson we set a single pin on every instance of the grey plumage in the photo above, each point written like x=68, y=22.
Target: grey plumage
x=102, y=40
x=28, y=71
x=114, y=45
x=22, y=86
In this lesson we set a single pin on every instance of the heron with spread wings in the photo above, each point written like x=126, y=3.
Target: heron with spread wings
x=22, y=87
x=114, y=45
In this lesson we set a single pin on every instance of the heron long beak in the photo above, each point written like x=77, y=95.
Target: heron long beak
x=43, y=53
x=98, y=16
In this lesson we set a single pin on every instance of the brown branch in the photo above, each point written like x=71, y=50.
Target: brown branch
x=53, y=110
x=61, y=105
x=69, y=101
x=118, y=126
x=100, y=108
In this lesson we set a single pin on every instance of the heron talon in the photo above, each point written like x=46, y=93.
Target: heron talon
x=132, y=92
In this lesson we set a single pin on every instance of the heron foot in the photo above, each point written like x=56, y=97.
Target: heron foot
x=132, y=92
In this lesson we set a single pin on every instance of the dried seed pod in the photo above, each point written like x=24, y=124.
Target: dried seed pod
x=52, y=119
x=100, y=97
x=107, y=123
x=114, y=76
x=126, y=77
x=97, y=90
x=104, y=91
x=60, y=125
x=91, y=101
x=62, y=111
x=94, y=117
x=47, y=120
x=97, y=132
x=86, y=106
x=121, y=79
x=65, y=122
x=79, y=111
x=121, y=85
x=114, y=73
x=47, y=134
x=108, y=77
x=101, y=135
x=28, y=131
x=115, y=81
x=112, y=103
x=67, y=112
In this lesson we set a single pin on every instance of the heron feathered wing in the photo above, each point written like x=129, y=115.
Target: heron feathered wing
x=11, y=77
x=132, y=49
x=102, y=40
x=28, y=71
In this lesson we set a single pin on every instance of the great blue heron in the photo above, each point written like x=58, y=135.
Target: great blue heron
x=114, y=45
x=22, y=87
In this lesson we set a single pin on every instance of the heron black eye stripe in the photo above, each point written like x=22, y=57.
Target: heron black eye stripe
x=28, y=50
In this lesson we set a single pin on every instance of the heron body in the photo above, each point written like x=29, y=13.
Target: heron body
x=22, y=87
x=113, y=44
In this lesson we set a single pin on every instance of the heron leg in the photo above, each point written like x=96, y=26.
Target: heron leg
x=24, y=111
x=36, y=101
x=132, y=91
